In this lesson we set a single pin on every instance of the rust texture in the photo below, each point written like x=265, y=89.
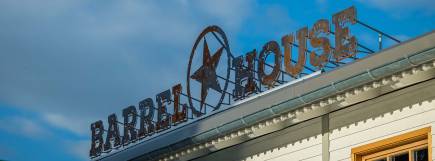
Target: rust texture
x=245, y=80
x=319, y=43
x=130, y=119
x=251, y=85
x=178, y=116
x=206, y=74
x=147, y=126
x=244, y=74
x=345, y=45
x=163, y=118
x=97, y=129
x=113, y=133
x=269, y=79
x=287, y=42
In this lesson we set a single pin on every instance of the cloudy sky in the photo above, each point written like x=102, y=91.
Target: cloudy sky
x=67, y=63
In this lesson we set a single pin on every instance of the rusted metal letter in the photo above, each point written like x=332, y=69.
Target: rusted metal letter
x=270, y=79
x=130, y=133
x=178, y=116
x=97, y=129
x=112, y=134
x=244, y=74
x=320, y=28
x=287, y=42
x=163, y=117
x=147, y=127
x=345, y=45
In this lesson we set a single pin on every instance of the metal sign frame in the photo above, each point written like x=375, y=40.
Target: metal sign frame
x=248, y=80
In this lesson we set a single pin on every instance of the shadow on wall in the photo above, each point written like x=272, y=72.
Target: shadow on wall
x=304, y=140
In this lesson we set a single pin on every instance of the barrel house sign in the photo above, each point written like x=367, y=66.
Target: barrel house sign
x=153, y=116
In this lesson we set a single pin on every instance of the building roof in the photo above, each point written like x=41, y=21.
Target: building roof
x=250, y=118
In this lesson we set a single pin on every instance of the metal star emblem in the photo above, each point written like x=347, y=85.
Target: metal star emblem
x=206, y=74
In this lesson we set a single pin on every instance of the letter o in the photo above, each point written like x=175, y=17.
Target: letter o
x=268, y=48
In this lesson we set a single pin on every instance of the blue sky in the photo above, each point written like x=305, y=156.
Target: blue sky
x=67, y=63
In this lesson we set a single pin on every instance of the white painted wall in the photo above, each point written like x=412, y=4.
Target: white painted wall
x=300, y=142
x=380, y=118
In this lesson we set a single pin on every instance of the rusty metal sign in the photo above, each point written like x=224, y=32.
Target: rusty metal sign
x=163, y=99
x=251, y=75
x=112, y=134
x=271, y=47
x=97, y=142
x=130, y=133
x=146, y=126
x=244, y=74
x=178, y=116
x=287, y=43
x=345, y=45
x=320, y=43
x=206, y=74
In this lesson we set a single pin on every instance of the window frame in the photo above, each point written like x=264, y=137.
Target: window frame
x=404, y=143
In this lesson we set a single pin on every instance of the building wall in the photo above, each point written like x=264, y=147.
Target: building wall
x=302, y=141
x=386, y=116
x=307, y=148
x=382, y=118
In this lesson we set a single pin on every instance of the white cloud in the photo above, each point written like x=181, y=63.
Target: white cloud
x=79, y=126
x=34, y=128
x=23, y=126
x=75, y=62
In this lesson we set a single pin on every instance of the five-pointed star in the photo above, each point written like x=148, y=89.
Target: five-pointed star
x=206, y=74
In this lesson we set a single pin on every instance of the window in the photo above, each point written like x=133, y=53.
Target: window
x=412, y=146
